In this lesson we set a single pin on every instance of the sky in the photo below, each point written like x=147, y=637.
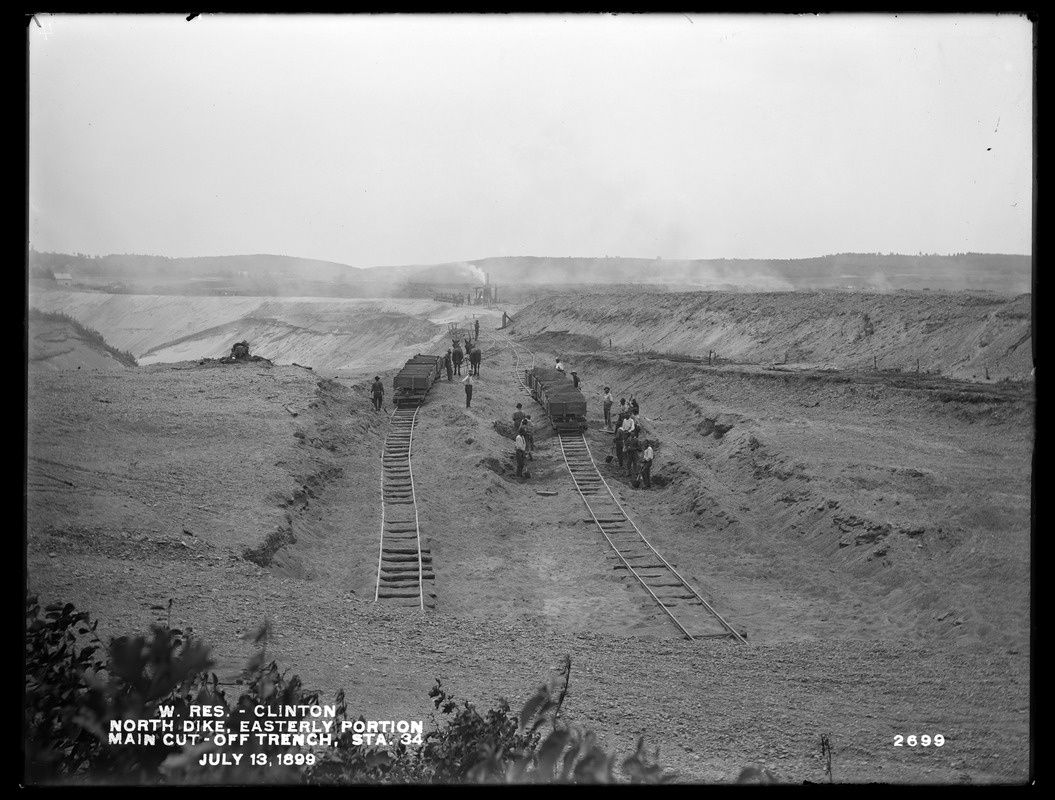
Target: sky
x=391, y=139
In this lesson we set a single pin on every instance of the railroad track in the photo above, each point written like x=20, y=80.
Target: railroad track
x=403, y=565
x=518, y=368
x=680, y=601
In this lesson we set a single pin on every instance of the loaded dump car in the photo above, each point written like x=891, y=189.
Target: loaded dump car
x=564, y=404
x=413, y=382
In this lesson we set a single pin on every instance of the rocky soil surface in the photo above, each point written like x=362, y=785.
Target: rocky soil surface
x=869, y=532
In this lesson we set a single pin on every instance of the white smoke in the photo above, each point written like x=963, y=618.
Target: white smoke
x=473, y=271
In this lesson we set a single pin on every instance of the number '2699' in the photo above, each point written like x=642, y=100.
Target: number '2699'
x=912, y=740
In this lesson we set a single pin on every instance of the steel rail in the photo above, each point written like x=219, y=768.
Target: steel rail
x=397, y=449
x=566, y=437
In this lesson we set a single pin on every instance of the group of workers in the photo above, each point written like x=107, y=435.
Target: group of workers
x=631, y=447
x=633, y=452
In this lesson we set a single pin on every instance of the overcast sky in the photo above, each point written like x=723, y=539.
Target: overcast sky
x=392, y=139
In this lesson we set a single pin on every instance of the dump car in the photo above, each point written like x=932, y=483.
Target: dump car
x=412, y=383
x=556, y=393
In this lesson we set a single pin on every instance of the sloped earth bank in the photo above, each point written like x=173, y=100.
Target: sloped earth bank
x=971, y=335
x=334, y=336
x=870, y=536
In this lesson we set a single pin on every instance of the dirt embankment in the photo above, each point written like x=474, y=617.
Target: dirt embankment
x=899, y=506
x=332, y=336
x=967, y=336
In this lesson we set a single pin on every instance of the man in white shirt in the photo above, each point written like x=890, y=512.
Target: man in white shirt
x=527, y=430
x=521, y=446
x=468, y=381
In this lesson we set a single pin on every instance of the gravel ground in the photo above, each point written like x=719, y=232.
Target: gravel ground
x=153, y=484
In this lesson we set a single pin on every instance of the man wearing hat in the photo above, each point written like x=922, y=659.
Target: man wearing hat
x=378, y=390
x=646, y=464
x=468, y=381
x=575, y=378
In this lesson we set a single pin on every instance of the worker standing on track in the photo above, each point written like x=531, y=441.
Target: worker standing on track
x=378, y=391
x=608, y=400
x=468, y=381
x=476, y=330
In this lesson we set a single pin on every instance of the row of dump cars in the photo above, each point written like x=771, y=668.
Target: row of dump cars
x=557, y=393
x=552, y=389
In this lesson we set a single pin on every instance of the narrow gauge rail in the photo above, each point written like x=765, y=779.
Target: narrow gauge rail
x=683, y=605
x=403, y=565
x=518, y=371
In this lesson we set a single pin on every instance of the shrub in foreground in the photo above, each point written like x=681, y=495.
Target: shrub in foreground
x=79, y=692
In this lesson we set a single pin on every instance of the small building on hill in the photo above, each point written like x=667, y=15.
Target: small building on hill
x=63, y=279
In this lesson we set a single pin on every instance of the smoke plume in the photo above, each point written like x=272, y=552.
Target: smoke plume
x=473, y=271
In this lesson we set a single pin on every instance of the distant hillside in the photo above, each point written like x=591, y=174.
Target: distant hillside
x=1005, y=274
x=271, y=275
x=140, y=266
